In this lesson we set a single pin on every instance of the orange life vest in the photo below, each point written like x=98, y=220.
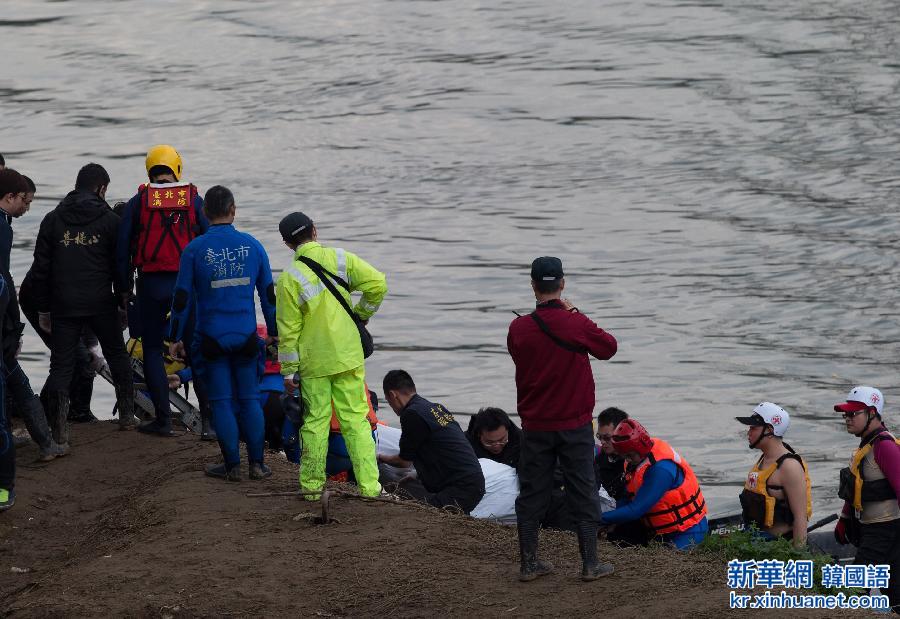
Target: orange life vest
x=680, y=508
x=373, y=419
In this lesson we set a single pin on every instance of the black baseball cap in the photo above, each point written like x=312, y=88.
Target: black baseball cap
x=294, y=224
x=546, y=268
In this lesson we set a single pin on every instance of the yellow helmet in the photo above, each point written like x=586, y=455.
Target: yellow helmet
x=164, y=155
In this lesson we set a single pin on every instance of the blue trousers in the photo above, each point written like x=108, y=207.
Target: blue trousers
x=233, y=385
x=154, y=301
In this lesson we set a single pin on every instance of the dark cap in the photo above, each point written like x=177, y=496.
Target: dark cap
x=546, y=268
x=294, y=224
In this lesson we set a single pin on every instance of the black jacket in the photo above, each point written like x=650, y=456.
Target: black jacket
x=610, y=473
x=75, y=258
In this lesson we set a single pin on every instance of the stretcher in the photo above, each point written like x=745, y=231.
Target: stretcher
x=182, y=409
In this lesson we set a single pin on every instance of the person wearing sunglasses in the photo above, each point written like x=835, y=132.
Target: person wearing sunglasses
x=776, y=496
x=870, y=487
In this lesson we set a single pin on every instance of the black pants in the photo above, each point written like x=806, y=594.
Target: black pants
x=64, y=337
x=465, y=496
x=82, y=386
x=880, y=544
x=574, y=450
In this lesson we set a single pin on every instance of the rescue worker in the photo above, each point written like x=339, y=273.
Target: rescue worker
x=870, y=487
x=661, y=489
x=555, y=389
x=16, y=193
x=157, y=224
x=433, y=442
x=319, y=340
x=219, y=271
x=73, y=284
x=776, y=496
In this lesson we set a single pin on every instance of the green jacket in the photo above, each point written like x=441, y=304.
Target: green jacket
x=315, y=335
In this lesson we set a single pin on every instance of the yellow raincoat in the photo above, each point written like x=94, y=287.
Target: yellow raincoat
x=319, y=340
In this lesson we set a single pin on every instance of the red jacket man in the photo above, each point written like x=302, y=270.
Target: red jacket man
x=555, y=388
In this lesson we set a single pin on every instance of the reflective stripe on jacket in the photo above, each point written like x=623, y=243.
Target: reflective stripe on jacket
x=679, y=508
x=316, y=336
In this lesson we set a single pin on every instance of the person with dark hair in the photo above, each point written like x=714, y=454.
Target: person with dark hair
x=17, y=383
x=220, y=271
x=870, y=487
x=555, y=387
x=157, y=224
x=73, y=283
x=494, y=436
x=2, y=163
x=433, y=442
x=320, y=339
x=609, y=467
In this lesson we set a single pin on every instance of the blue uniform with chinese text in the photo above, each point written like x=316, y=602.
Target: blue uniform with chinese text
x=220, y=271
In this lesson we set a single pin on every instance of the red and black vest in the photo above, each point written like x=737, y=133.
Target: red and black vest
x=166, y=223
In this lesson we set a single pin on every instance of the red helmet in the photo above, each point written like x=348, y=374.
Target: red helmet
x=629, y=436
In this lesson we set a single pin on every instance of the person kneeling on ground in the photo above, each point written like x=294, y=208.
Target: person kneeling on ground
x=221, y=269
x=661, y=488
x=494, y=436
x=776, y=496
x=434, y=443
x=609, y=469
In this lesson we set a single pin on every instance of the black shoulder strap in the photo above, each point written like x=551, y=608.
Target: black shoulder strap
x=559, y=342
x=791, y=455
x=325, y=275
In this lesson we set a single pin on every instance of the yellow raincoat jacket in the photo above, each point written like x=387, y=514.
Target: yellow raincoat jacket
x=315, y=335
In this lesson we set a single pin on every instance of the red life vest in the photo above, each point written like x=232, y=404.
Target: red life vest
x=166, y=223
x=680, y=508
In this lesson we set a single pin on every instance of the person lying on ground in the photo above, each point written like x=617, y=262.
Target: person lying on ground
x=661, y=489
x=776, y=496
x=494, y=436
x=433, y=442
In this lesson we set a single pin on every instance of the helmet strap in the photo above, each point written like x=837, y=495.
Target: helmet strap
x=761, y=437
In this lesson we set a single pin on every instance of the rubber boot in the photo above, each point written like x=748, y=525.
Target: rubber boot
x=125, y=407
x=206, y=431
x=531, y=567
x=80, y=392
x=58, y=413
x=591, y=568
x=258, y=470
x=39, y=429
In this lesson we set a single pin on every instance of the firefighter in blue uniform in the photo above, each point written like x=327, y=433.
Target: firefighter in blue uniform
x=220, y=271
x=157, y=224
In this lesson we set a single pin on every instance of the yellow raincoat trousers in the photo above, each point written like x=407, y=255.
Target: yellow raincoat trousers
x=318, y=339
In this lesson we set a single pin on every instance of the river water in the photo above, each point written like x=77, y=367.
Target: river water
x=719, y=179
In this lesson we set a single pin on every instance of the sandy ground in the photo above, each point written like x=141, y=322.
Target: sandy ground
x=129, y=526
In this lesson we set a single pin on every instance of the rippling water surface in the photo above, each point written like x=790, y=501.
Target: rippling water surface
x=719, y=178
